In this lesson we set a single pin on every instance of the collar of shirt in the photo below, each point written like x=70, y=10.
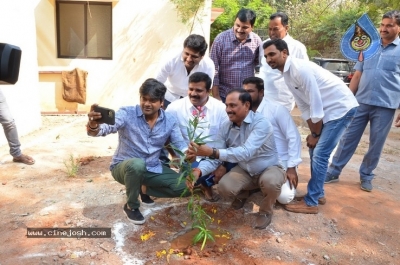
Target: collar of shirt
x=287, y=64
x=287, y=38
x=262, y=105
x=249, y=119
x=395, y=42
x=190, y=106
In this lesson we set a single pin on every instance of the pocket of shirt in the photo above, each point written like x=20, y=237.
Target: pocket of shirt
x=390, y=63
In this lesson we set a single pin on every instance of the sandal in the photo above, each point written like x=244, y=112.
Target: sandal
x=24, y=159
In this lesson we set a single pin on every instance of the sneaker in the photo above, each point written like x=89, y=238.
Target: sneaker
x=135, y=216
x=238, y=204
x=366, y=185
x=146, y=199
x=331, y=179
x=263, y=220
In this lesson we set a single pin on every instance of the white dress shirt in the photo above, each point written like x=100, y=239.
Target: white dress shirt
x=274, y=85
x=176, y=78
x=319, y=94
x=287, y=137
x=215, y=116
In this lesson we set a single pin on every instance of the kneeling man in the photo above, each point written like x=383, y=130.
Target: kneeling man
x=247, y=139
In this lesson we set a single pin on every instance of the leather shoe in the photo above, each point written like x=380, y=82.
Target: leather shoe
x=301, y=207
x=238, y=203
x=263, y=220
x=321, y=201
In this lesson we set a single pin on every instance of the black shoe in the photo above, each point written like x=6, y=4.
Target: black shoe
x=238, y=204
x=135, y=216
x=146, y=199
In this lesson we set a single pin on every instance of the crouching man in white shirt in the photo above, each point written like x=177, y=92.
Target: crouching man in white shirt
x=327, y=105
x=212, y=115
x=287, y=137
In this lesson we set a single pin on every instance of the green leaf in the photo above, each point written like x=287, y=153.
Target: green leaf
x=176, y=150
x=198, y=237
x=181, y=176
x=204, y=242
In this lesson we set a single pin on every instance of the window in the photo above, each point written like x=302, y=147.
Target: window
x=84, y=30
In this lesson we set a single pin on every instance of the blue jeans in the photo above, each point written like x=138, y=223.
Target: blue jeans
x=10, y=130
x=319, y=156
x=380, y=120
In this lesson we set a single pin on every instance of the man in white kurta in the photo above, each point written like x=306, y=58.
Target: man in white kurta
x=274, y=86
x=175, y=72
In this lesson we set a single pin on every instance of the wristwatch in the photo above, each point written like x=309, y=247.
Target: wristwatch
x=214, y=154
x=315, y=135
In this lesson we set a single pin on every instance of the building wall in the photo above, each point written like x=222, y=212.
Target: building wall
x=17, y=27
x=144, y=34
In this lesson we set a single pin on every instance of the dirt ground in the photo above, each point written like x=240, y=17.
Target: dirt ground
x=354, y=227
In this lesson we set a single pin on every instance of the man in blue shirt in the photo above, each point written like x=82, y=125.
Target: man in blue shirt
x=376, y=84
x=143, y=130
x=247, y=139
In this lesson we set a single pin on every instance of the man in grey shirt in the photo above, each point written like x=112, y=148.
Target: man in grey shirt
x=247, y=139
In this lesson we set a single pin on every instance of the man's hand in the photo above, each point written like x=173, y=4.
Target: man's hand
x=93, y=116
x=190, y=156
x=200, y=150
x=189, y=182
x=175, y=160
x=311, y=141
x=292, y=177
x=219, y=173
x=397, y=122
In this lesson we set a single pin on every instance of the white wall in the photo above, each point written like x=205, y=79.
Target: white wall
x=144, y=34
x=17, y=27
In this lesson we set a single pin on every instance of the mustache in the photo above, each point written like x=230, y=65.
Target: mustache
x=196, y=97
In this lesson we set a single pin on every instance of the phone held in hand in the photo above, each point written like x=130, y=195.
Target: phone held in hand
x=107, y=115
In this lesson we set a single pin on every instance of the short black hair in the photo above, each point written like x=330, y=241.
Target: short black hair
x=197, y=43
x=283, y=16
x=246, y=15
x=279, y=44
x=201, y=77
x=394, y=14
x=243, y=96
x=153, y=88
x=255, y=81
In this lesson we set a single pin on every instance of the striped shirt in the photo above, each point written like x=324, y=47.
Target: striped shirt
x=234, y=61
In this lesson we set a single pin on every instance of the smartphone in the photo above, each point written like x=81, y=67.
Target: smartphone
x=107, y=115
